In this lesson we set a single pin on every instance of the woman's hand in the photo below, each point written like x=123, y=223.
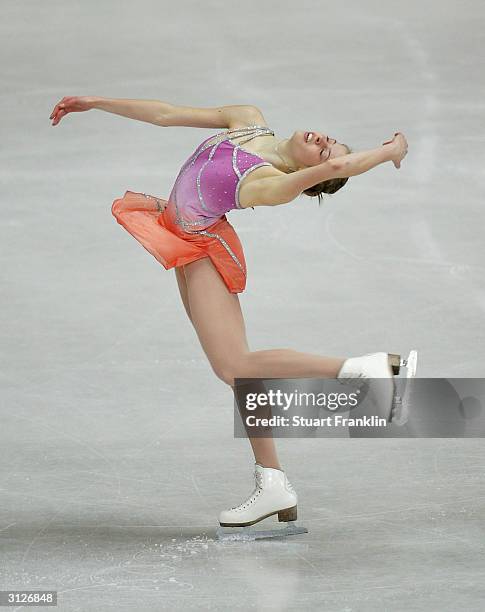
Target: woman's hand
x=398, y=147
x=70, y=104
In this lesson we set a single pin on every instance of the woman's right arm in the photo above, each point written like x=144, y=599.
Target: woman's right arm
x=284, y=188
x=161, y=113
x=151, y=111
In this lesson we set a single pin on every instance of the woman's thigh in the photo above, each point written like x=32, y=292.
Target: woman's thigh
x=182, y=285
x=216, y=315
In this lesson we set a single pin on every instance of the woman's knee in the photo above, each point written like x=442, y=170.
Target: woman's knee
x=227, y=371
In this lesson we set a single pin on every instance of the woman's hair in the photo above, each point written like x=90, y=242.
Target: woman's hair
x=330, y=186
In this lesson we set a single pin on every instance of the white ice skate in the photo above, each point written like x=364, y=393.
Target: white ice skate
x=273, y=495
x=377, y=370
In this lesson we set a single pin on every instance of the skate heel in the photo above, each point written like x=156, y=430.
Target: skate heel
x=289, y=514
x=402, y=403
x=395, y=362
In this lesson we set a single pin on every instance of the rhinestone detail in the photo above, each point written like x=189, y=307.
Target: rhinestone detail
x=250, y=169
x=160, y=206
x=224, y=244
x=211, y=155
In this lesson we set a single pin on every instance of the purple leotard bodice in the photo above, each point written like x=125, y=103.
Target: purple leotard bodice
x=208, y=183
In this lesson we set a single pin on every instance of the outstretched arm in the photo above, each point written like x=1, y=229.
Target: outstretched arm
x=150, y=111
x=284, y=188
x=161, y=113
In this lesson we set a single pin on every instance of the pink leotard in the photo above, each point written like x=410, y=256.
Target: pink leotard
x=208, y=183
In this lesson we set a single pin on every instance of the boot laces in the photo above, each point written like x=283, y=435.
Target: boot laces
x=358, y=378
x=254, y=495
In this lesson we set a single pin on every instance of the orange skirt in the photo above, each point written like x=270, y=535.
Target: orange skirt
x=151, y=221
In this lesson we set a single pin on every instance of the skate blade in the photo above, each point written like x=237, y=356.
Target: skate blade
x=248, y=534
x=402, y=404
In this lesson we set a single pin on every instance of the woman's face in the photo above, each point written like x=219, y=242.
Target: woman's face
x=312, y=148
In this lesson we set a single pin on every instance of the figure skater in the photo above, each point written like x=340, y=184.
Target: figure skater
x=245, y=165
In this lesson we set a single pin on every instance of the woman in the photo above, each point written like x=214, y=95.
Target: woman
x=244, y=166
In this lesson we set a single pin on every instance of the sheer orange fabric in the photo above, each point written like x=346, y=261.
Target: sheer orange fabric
x=152, y=222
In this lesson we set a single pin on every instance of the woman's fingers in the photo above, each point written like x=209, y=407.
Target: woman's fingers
x=402, y=148
x=56, y=108
x=58, y=116
x=391, y=141
x=59, y=108
x=58, y=113
x=54, y=112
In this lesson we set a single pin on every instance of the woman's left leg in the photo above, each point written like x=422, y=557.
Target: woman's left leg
x=263, y=448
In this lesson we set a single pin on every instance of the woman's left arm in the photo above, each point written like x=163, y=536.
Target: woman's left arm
x=284, y=188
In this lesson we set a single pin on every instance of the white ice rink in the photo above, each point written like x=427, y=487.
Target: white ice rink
x=116, y=442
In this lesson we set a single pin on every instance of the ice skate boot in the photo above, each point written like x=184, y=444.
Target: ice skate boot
x=273, y=495
x=376, y=371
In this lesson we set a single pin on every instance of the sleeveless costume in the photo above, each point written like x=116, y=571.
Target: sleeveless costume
x=193, y=224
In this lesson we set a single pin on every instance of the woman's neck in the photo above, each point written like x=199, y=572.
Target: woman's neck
x=275, y=151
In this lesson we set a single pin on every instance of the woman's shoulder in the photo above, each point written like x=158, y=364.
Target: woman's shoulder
x=251, y=116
